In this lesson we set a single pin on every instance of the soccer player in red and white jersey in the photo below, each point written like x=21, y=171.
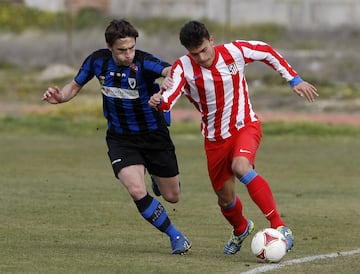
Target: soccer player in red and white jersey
x=212, y=78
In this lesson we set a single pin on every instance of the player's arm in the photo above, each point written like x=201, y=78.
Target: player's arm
x=260, y=51
x=55, y=95
x=166, y=71
x=167, y=82
x=165, y=99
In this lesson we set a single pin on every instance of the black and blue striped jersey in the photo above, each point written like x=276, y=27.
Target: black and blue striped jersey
x=126, y=90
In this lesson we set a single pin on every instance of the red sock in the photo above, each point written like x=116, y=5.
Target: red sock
x=260, y=192
x=235, y=216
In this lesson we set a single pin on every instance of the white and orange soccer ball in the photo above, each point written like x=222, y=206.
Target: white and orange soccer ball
x=269, y=245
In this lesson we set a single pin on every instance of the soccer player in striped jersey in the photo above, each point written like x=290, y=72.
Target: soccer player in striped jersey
x=137, y=136
x=213, y=79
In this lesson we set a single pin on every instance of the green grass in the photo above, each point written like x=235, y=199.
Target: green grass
x=62, y=211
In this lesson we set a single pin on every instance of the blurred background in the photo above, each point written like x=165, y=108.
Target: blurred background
x=44, y=42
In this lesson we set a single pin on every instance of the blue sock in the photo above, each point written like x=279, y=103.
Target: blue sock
x=154, y=212
x=172, y=232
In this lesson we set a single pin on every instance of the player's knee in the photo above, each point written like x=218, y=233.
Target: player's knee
x=225, y=203
x=136, y=193
x=170, y=189
x=172, y=197
x=240, y=166
x=226, y=199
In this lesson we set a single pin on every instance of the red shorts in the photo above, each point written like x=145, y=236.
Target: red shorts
x=221, y=153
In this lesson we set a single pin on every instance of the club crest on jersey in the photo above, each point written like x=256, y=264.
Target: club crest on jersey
x=233, y=68
x=132, y=83
x=197, y=76
x=134, y=67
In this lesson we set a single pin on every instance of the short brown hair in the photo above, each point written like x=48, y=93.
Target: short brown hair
x=119, y=29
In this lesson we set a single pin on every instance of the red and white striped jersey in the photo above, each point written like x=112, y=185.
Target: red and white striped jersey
x=220, y=92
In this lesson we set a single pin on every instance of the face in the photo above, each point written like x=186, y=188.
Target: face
x=123, y=51
x=204, y=54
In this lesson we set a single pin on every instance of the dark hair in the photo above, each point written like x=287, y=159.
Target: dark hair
x=119, y=29
x=193, y=33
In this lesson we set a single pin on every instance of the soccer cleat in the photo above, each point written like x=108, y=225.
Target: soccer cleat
x=180, y=245
x=234, y=244
x=284, y=230
x=155, y=187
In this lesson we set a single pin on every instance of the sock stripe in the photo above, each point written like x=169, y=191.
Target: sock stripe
x=231, y=205
x=155, y=213
x=248, y=177
x=150, y=209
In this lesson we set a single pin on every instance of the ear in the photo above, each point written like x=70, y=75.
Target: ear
x=109, y=47
x=212, y=40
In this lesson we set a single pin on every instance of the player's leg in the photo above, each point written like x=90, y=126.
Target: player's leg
x=260, y=192
x=232, y=210
x=168, y=187
x=161, y=162
x=258, y=188
x=245, y=148
x=231, y=206
x=155, y=213
x=132, y=177
x=130, y=171
x=223, y=183
x=155, y=186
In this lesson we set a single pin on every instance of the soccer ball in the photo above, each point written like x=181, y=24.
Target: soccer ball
x=269, y=245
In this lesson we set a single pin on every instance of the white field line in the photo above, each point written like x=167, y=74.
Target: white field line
x=269, y=267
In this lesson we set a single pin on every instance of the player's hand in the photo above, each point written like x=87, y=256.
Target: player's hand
x=52, y=95
x=155, y=100
x=305, y=89
x=167, y=83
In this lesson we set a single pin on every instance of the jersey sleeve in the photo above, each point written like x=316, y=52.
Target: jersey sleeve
x=153, y=64
x=171, y=95
x=260, y=51
x=86, y=71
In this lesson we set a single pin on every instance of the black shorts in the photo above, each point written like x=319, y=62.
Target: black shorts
x=155, y=150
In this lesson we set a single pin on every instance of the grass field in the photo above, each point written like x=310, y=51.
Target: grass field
x=62, y=211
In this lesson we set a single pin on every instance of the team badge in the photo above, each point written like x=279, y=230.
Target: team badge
x=233, y=68
x=134, y=67
x=132, y=83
